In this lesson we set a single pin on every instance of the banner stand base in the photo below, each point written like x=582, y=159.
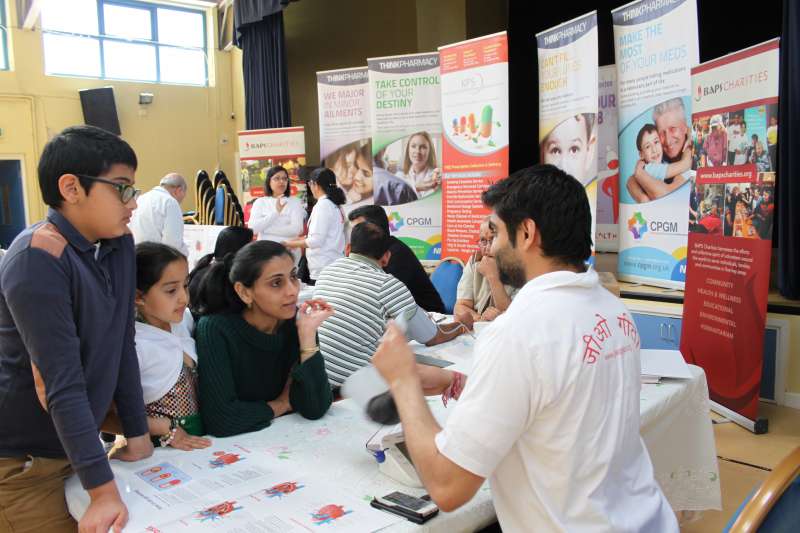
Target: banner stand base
x=759, y=426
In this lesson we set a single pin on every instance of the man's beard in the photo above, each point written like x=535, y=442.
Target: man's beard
x=511, y=270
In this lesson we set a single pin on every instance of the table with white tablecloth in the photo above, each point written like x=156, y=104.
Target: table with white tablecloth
x=329, y=455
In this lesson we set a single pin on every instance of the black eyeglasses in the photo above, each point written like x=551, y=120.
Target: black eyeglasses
x=126, y=192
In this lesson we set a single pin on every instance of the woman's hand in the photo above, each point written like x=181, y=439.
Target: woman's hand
x=186, y=442
x=311, y=314
x=281, y=405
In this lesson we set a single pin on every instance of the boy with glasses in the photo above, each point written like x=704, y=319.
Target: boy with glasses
x=67, y=288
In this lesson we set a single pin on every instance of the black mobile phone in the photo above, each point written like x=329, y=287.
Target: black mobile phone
x=417, y=510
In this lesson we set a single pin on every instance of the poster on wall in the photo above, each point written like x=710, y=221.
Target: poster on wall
x=731, y=208
x=655, y=44
x=475, y=121
x=607, y=230
x=344, y=131
x=568, y=101
x=405, y=109
x=259, y=150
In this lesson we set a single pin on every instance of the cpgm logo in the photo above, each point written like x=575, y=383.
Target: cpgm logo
x=637, y=225
x=395, y=221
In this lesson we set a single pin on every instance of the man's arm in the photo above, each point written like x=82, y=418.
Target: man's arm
x=449, y=485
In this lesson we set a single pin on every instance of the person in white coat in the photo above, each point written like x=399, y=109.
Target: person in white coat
x=158, y=217
x=277, y=216
x=325, y=240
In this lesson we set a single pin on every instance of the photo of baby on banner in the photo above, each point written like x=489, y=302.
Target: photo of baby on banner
x=662, y=140
x=571, y=146
x=353, y=168
x=408, y=169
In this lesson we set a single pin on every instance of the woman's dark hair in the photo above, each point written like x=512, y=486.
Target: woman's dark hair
x=229, y=241
x=271, y=172
x=152, y=258
x=326, y=179
x=216, y=293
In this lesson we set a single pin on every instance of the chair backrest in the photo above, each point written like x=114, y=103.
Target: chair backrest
x=774, y=506
x=445, y=279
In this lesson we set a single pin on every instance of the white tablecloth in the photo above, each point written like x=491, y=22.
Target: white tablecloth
x=332, y=448
x=675, y=426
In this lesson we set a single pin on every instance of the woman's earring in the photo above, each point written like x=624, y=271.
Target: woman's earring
x=249, y=305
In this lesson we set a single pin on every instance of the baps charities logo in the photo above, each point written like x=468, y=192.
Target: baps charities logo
x=395, y=221
x=637, y=225
x=254, y=146
x=698, y=94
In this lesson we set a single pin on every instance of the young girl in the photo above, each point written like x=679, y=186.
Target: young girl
x=325, y=241
x=256, y=360
x=166, y=350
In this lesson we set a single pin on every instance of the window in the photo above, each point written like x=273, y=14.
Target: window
x=125, y=40
x=3, y=37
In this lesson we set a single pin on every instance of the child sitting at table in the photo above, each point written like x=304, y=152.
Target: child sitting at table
x=166, y=349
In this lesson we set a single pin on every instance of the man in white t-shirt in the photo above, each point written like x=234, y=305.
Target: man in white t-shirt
x=158, y=216
x=550, y=412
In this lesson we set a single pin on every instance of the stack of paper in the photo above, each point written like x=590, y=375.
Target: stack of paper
x=657, y=364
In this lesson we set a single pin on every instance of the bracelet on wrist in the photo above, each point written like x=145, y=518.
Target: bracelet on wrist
x=309, y=351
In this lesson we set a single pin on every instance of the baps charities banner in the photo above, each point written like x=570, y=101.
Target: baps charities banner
x=607, y=229
x=655, y=43
x=345, y=130
x=735, y=128
x=475, y=121
x=568, y=101
x=405, y=106
x=259, y=150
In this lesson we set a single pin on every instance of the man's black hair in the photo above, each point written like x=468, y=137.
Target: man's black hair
x=557, y=204
x=80, y=150
x=371, y=213
x=369, y=239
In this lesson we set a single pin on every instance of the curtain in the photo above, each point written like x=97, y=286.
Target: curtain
x=259, y=33
x=787, y=197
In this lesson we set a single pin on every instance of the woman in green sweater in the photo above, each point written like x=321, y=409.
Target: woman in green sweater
x=256, y=361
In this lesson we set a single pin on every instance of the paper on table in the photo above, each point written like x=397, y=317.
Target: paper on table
x=665, y=364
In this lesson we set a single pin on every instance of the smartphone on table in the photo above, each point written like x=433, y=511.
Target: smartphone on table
x=417, y=510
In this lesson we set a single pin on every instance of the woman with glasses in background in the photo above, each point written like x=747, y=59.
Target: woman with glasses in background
x=277, y=216
x=481, y=296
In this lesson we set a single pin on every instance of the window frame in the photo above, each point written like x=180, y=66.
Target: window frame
x=153, y=8
x=4, y=36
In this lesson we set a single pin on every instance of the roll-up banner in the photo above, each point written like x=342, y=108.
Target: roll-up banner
x=731, y=206
x=655, y=44
x=475, y=122
x=345, y=131
x=405, y=109
x=568, y=101
x=607, y=231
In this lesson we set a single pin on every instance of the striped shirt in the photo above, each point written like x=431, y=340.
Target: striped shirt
x=364, y=298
